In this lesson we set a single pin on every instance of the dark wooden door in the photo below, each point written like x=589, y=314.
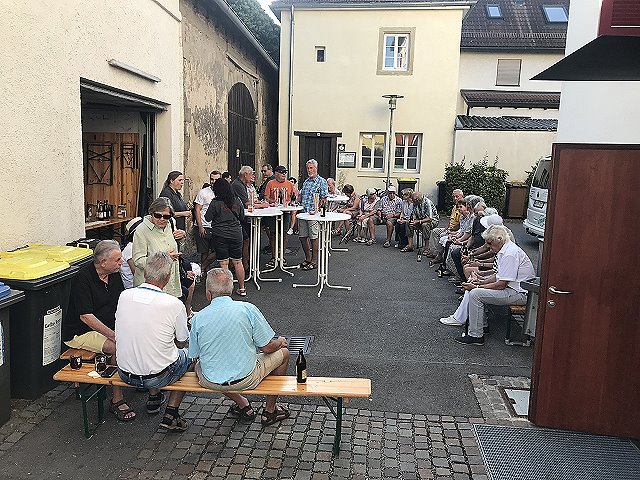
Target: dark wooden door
x=241, y=129
x=321, y=147
x=586, y=371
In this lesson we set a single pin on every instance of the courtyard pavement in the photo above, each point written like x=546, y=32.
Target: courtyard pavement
x=428, y=391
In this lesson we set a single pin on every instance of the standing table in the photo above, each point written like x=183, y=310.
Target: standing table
x=254, y=249
x=337, y=199
x=324, y=245
x=280, y=233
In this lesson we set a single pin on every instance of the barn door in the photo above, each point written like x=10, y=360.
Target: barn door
x=241, y=129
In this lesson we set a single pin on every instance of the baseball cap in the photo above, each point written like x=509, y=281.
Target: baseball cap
x=281, y=169
x=391, y=189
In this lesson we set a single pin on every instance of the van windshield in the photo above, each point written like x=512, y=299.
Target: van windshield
x=543, y=171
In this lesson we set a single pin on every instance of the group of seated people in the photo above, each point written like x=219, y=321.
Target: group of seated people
x=144, y=329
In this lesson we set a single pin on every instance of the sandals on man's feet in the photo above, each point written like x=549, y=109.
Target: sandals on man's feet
x=174, y=424
x=370, y=242
x=121, y=415
x=269, y=418
x=154, y=402
x=271, y=263
x=243, y=413
x=406, y=249
x=308, y=266
x=242, y=292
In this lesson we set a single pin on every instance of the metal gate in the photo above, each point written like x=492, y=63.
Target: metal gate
x=242, y=129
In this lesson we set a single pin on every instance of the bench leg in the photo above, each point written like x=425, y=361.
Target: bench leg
x=337, y=413
x=84, y=395
x=507, y=339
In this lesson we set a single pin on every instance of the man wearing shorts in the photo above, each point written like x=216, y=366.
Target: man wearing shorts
x=151, y=333
x=203, y=238
x=388, y=212
x=309, y=230
x=224, y=338
x=90, y=321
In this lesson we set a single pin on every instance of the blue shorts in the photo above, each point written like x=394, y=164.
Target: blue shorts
x=168, y=376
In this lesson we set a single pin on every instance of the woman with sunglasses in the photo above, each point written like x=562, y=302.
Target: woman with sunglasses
x=153, y=235
x=172, y=186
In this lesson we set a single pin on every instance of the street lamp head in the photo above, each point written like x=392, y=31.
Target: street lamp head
x=392, y=100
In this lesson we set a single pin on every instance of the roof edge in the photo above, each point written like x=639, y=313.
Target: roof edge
x=280, y=5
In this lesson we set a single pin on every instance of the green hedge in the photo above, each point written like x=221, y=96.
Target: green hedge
x=480, y=178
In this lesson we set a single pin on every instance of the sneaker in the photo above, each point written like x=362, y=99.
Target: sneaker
x=386, y=244
x=290, y=231
x=451, y=320
x=469, y=340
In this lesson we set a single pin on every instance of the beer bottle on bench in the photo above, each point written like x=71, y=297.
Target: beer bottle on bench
x=301, y=368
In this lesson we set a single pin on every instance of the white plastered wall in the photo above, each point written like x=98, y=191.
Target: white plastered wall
x=47, y=47
x=344, y=94
x=595, y=112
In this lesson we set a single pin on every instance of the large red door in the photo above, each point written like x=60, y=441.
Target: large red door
x=586, y=372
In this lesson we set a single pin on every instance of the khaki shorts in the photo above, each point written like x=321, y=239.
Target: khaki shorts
x=265, y=364
x=308, y=228
x=92, y=341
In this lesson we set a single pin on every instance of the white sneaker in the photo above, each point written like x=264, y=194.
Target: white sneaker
x=290, y=231
x=451, y=320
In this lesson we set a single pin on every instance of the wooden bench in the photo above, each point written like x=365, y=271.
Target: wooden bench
x=338, y=390
x=516, y=314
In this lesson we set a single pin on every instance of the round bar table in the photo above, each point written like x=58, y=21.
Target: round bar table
x=254, y=248
x=280, y=239
x=324, y=245
x=337, y=199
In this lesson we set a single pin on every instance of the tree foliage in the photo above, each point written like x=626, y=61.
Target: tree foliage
x=260, y=24
x=480, y=178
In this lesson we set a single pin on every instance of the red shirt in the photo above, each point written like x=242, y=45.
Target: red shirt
x=269, y=192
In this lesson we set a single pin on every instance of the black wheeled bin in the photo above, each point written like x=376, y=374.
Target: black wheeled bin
x=442, y=195
x=36, y=323
x=8, y=297
x=407, y=182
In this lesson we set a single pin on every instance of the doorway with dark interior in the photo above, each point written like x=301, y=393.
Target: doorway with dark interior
x=321, y=146
x=241, y=129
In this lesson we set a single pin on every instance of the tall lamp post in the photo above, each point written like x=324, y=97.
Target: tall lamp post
x=392, y=106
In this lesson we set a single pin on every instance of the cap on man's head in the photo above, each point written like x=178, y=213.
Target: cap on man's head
x=132, y=225
x=391, y=189
x=281, y=169
x=371, y=191
x=489, y=220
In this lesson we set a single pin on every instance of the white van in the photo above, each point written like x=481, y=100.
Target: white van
x=537, y=208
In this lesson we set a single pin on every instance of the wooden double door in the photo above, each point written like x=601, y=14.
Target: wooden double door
x=586, y=372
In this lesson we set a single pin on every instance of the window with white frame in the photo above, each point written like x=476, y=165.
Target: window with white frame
x=396, y=51
x=407, y=155
x=508, y=72
x=493, y=11
x=372, y=151
x=555, y=13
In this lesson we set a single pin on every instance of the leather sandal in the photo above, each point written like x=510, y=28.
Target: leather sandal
x=154, y=402
x=174, y=424
x=121, y=415
x=269, y=418
x=242, y=413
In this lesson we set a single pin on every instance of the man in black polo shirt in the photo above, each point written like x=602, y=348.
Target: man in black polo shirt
x=90, y=321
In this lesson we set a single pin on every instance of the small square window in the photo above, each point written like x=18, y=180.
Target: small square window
x=555, y=13
x=320, y=54
x=508, y=72
x=493, y=11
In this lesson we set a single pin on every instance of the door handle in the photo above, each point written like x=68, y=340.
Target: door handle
x=553, y=289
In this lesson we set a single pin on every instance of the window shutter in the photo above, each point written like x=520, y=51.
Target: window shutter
x=620, y=17
x=508, y=72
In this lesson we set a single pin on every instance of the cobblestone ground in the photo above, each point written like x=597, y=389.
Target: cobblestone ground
x=374, y=444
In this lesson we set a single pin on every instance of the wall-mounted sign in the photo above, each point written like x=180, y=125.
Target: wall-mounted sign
x=346, y=159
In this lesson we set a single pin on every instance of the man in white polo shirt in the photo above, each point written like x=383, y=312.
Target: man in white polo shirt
x=151, y=332
x=503, y=288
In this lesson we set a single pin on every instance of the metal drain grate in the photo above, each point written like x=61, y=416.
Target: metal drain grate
x=299, y=343
x=512, y=453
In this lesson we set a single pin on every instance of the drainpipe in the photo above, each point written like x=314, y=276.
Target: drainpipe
x=290, y=91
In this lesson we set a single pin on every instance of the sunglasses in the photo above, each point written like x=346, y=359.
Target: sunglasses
x=160, y=215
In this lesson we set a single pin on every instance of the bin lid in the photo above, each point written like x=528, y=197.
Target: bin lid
x=11, y=297
x=29, y=266
x=407, y=179
x=4, y=290
x=63, y=253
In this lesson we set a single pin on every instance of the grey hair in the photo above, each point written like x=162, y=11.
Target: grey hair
x=103, y=250
x=490, y=211
x=416, y=195
x=268, y=166
x=473, y=200
x=406, y=191
x=330, y=180
x=219, y=282
x=245, y=169
x=160, y=204
x=480, y=205
x=497, y=233
x=158, y=268
x=312, y=161
x=456, y=190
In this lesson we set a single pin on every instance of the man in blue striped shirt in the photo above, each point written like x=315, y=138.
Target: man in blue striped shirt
x=309, y=230
x=224, y=338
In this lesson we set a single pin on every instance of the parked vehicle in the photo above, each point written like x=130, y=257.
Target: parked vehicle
x=537, y=208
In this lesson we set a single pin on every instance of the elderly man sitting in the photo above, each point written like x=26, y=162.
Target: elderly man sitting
x=501, y=288
x=425, y=217
x=389, y=210
x=224, y=337
x=151, y=334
